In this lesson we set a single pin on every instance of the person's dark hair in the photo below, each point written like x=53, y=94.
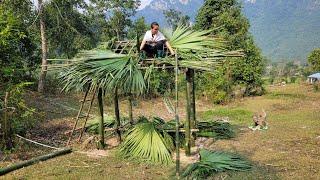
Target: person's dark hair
x=154, y=24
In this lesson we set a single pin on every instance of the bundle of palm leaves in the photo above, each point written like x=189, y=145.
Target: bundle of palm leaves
x=215, y=161
x=148, y=142
x=215, y=129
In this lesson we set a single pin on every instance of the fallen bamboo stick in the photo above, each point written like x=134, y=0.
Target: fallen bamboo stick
x=22, y=164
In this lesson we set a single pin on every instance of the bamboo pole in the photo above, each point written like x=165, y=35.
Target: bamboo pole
x=8, y=169
x=130, y=109
x=117, y=113
x=188, y=115
x=177, y=119
x=101, y=143
x=193, y=120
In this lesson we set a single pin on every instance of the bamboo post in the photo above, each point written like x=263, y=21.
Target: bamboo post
x=130, y=109
x=193, y=120
x=101, y=143
x=6, y=170
x=188, y=117
x=117, y=113
x=177, y=119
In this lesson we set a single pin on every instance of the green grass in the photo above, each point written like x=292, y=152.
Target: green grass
x=236, y=115
x=79, y=166
x=282, y=95
x=289, y=149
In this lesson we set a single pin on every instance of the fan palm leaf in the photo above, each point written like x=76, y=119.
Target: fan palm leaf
x=148, y=142
x=216, y=161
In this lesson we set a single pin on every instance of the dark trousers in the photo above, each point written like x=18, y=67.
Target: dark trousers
x=154, y=49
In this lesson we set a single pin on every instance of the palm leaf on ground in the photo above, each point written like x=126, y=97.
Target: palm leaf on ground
x=216, y=161
x=146, y=141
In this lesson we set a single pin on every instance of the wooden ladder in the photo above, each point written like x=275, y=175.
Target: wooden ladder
x=85, y=116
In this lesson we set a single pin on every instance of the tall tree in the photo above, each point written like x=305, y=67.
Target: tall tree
x=44, y=61
x=175, y=18
x=314, y=59
x=227, y=21
x=18, y=49
x=70, y=28
x=118, y=15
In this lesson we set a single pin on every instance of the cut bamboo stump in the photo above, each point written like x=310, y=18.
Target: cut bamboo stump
x=14, y=167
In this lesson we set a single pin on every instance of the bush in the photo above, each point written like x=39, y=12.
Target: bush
x=23, y=118
x=161, y=82
x=293, y=79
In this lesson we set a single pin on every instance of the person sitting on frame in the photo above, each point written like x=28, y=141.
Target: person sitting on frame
x=154, y=41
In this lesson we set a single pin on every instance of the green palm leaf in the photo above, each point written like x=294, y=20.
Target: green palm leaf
x=216, y=161
x=146, y=141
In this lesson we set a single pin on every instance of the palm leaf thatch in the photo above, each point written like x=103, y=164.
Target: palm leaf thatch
x=146, y=141
x=103, y=69
x=199, y=49
x=108, y=70
x=215, y=161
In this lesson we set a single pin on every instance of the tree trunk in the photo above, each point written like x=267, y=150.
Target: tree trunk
x=188, y=115
x=117, y=113
x=101, y=143
x=44, y=63
x=130, y=109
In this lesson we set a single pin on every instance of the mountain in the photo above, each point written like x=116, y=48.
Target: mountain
x=154, y=11
x=283, y=29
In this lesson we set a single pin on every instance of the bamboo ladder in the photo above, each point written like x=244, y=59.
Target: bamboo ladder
x=120, y=47
x=86, y=116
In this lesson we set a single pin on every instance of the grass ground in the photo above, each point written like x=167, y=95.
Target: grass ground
x=289, y=149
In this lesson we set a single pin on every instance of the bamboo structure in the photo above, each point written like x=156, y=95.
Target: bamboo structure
x=117, y=113
x=177, y=117
x=101, y=143
x=192, y=91
x=130, y=109
x=88, y=113
x=188, y=116
x=78, y=116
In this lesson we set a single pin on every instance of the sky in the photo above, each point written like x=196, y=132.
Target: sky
x=144, y=3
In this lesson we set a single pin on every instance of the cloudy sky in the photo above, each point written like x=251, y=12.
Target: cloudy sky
x=144, y=3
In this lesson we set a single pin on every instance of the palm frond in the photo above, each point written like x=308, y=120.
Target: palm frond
x=185, y=39
x=216, y=161
x=146, y=141
x=103, y=69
